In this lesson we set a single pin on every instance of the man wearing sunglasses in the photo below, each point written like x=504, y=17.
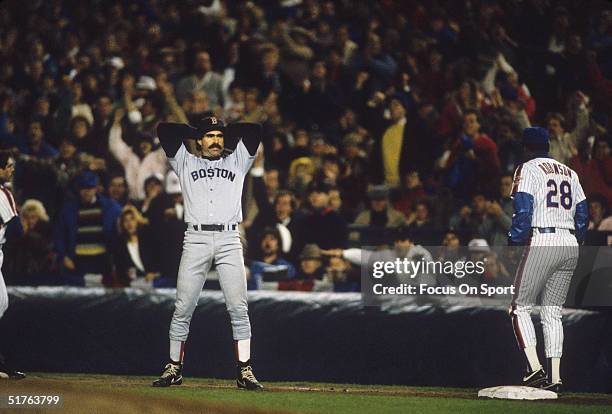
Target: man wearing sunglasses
x=212, y=189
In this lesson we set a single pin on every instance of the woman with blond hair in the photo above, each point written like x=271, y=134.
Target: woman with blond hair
x=134, y=254
x=29, y=255
x=301, y=173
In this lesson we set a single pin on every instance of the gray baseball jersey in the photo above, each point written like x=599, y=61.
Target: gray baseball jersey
x=212, y=189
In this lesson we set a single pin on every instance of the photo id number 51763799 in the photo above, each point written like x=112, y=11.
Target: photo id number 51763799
x=30, y=400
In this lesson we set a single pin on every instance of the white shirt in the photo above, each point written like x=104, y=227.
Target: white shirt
x=134, y=251
x=136, y=170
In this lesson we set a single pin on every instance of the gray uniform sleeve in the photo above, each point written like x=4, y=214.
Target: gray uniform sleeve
x=178, y=160
x=243, y=157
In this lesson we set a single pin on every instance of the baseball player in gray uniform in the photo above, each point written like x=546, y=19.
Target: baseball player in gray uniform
x=550, y=219
x=8, y=212
x=212, y=189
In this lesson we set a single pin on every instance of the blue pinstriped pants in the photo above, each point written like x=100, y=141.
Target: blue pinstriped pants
x=545, y=271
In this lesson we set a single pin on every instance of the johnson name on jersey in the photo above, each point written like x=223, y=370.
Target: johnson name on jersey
x=546, y=194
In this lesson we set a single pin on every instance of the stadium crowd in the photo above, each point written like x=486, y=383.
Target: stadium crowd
x=384, y=122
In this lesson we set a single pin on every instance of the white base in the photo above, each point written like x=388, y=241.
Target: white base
x=517, y=392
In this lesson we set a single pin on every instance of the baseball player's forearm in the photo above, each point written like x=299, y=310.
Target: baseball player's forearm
x=521, y=221
x=171, y=136
x=581, y=220
x=250, y=133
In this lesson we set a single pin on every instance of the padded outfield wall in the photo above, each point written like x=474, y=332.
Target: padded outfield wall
x=296, y=336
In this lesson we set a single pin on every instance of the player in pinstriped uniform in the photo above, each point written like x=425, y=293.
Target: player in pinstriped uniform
x=212, y=191
x=8, y=212
x=550, y=219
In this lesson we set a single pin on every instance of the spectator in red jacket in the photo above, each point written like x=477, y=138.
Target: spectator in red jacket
x=462, y=100
x=411, y=190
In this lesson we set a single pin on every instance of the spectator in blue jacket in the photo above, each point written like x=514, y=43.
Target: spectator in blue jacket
x=269, y=259
x=83, y=231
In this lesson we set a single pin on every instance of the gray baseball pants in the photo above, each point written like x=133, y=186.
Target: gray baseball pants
x=200, y=248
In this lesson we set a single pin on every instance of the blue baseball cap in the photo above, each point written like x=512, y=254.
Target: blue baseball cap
x=535, y=136
x=87, y=179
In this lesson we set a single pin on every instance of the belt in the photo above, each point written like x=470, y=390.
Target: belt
x=214, y=227
x=551, y=230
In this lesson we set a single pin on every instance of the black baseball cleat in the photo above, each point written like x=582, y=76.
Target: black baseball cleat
x=7, y=373
x=172, y=375
x=554, y=387
x=535, y=379
x=246, y=379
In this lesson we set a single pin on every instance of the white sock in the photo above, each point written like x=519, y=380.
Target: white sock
x=243, y=347
x=177, y=350
x=532, y=358
x=555, y=372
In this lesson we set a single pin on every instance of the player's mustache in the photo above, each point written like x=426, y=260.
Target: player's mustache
x=215, y=146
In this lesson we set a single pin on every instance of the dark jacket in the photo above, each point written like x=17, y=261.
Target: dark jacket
x=147, y=247
x=168, y=233
x=326, y=228
x=267, y=218
x=29, y=254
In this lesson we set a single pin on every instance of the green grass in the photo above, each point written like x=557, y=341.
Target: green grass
x=339, y=398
